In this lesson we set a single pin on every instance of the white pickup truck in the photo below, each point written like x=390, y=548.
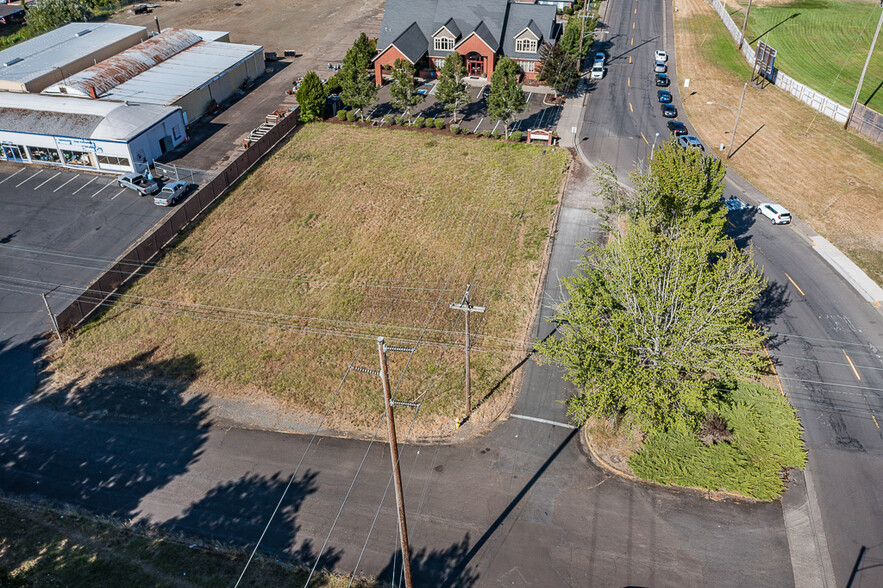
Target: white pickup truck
x=139, y=183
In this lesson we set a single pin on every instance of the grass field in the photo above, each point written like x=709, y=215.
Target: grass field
x=42, y=546
x=823, y=44
x=345, y=234
x=827, y=177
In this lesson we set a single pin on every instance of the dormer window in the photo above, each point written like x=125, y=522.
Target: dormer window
x=444, y=43
x=526, y=45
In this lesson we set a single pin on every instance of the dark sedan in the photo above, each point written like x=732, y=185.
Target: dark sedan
x=669, y=111
x=662, y=80
x=664, y=96
x=677, y=128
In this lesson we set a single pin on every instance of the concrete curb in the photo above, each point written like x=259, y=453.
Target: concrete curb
x=715, y=495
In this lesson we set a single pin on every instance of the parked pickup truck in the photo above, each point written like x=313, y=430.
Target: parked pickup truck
x=139, y=183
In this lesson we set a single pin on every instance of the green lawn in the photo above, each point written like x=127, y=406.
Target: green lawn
x=814, y=39
x=342, y=229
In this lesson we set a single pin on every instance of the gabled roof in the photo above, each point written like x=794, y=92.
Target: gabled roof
x=482, y=31
x=411, y=43
x=538, y=18
x=452, y=28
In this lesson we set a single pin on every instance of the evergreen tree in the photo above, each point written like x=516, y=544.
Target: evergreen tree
x=402, y=91
x=450, y=89
x=311, y=98
x=506, y=98
x=558, y=70
x=358, y=89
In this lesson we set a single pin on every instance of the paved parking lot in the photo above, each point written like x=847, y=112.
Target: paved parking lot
x=58, y=230
x=538, y=115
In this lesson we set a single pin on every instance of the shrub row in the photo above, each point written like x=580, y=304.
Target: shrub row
x=425, y=122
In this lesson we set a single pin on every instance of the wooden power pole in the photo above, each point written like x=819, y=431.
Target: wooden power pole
x=465, y=307
x=744, y=22
x=861, y=80
x=52, y=318
x=394, y=455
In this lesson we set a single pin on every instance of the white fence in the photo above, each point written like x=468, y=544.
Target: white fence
x=817, y=101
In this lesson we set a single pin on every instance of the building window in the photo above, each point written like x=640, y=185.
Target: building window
x=12, y=152
x=78, y=158
x=444, y=44
x=525, y=45
x=111, y=160
x=175, y=132
x=527, y=66
x=44, y=155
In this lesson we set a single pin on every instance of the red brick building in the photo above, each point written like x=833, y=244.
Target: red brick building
x=424, y=32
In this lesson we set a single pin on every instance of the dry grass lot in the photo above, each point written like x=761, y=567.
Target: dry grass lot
x=831, y=179
x=344, y=234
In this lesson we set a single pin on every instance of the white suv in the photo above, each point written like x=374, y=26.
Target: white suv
x=661, y=55
x=597, y=71
x=775, y=212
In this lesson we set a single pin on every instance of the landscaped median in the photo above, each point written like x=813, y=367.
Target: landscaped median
x=343, y=235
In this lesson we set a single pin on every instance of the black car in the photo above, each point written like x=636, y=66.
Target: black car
x=662, y=79
x=677, y=128
x=669, y=111
x=663, y=96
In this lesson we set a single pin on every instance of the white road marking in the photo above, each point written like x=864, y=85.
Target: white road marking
x=52, y=178
x=30, y=178
x=100, y=189
x=544, y=421
x=84, y=185
x=66, y=183
x=118, y=193
x=13, y=175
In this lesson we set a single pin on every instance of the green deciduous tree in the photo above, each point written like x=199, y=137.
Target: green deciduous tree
x=652, y=322
x=46, y=15
x=558, y=70
x=682, y=188
x=403, y=93
x=451, y=89
x=569, y=40
x=358, y=89
x=506, y=98
x=311, y=97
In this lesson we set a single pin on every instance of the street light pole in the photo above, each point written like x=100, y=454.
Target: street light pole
x=654, y=145
x=738, y=112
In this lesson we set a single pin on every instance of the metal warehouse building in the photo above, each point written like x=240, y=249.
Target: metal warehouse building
x=86, y=134
x=36, y=63
x=174, y=68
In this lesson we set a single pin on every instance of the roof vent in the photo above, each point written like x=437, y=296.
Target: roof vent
x=83, y=32
x=13, y=61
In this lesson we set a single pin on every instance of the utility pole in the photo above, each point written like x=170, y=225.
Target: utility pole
x=52, y=318
x=738, y=112
x=582, y=32
x=744, y=22
x=394, y=455
x=465, y=307
x=864, y=70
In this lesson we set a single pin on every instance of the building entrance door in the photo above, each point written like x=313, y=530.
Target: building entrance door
x=475, y=64
x=12, y=152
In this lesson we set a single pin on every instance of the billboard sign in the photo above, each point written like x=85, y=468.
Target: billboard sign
x=765, y=60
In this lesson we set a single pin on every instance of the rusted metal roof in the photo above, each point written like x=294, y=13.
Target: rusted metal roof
x=94, y=81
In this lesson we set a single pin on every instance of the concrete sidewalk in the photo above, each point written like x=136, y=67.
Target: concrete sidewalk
x=572, y=116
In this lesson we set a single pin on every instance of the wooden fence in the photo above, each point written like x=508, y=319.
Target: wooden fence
x=148, y=248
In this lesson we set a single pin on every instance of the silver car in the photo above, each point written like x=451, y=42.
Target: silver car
x=170, y=193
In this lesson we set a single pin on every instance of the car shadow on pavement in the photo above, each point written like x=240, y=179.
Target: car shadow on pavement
x=107, y=441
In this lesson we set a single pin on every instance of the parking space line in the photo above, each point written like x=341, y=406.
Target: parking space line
x=84, y=185
x=52, y=178
x=30, y=178
x=13, y=175
x=66, y=183
x=118, y=193
x=100, y=189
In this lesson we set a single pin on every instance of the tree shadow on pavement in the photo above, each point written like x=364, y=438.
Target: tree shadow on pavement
x=438, y=567
x=108, y=441
x=237, y=512
x=739, y=223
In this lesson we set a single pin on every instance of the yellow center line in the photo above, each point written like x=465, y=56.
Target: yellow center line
x=852, y=365
x=630, y=107
x=633, y=26
x=645, y=139
x=632, y=42
x=628, y=82
x=636, y=11
x=772, y=365
x=793, y=283
x=630, y=60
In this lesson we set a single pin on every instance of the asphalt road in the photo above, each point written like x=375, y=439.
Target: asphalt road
x=827, y=340
x=520, y=506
